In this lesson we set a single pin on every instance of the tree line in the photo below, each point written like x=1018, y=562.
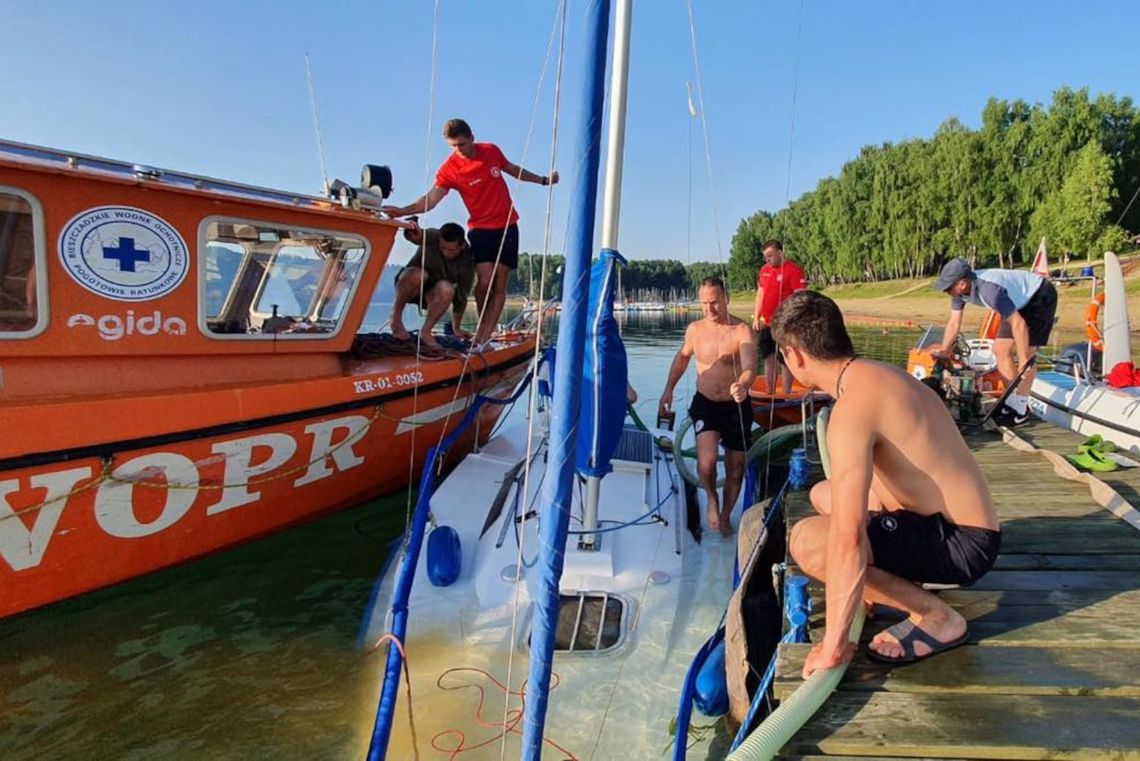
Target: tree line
x=1066, y=172
x=662, y=276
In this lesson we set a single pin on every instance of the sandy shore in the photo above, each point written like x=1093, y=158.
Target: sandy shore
x=922, y=309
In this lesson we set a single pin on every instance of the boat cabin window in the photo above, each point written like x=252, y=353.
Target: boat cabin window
x=21, y=249
x=261, y=279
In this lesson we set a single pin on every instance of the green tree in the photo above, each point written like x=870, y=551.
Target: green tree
x=746, y=254
x=1073, y=216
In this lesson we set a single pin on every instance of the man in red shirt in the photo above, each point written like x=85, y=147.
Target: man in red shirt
x=778, y=279
x=476, y=171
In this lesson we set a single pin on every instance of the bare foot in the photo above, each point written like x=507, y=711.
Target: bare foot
x=399, y=331
x=725, y=522
x=427, y=340
x=714, y=519
x=944, y=626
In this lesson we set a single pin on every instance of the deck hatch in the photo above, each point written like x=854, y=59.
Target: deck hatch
x=590, y=622
x=635, y=446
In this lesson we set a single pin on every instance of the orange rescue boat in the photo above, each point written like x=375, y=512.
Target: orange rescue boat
x=180, y=368
x=773, y=410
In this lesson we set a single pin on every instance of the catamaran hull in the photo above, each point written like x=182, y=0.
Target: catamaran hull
x=1089, y=409
x=125, y=491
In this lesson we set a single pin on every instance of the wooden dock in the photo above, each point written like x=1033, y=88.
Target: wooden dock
x=1052, y=667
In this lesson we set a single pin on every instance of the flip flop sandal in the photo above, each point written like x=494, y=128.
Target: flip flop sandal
x=907, y=634
x=1097, y=442
x=1092, y=460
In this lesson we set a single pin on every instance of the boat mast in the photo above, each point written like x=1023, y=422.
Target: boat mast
x=611, y=204
x=615, y=140
x=557, y=486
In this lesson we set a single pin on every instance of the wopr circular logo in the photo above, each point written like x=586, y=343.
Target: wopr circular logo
x=123, y=253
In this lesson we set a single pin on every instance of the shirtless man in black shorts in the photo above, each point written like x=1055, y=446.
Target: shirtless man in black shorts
x=721, y=412
x=906, y=502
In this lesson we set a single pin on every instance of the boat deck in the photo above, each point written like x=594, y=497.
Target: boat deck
x=1052, y=667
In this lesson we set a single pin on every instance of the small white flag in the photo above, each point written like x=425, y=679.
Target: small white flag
x=689, y=93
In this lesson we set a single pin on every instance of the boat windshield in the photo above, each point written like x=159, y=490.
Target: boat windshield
x=19, y=306
x=262, y=279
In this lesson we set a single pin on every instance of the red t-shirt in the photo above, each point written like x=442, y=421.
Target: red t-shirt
x=778, y=283
x=480, y=183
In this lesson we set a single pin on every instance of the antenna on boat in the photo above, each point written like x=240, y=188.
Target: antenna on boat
x=317, y=124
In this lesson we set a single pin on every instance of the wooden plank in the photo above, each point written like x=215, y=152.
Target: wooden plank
x=1120, y=601
x=984, y=670
x=1114, y=604
x=1081, y=619
x=973, y=726
x=1096, y=581
x=1069, y=536
x=1063, y=562
x=1110, y=604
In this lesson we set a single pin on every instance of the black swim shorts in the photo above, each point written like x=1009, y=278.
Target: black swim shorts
x=730, y=419
x=421, y=296
x=485, y=246
x=1038, y=314
x=766, y=345
x=928, y=548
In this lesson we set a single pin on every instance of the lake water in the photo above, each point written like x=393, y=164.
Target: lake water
x=252, y=652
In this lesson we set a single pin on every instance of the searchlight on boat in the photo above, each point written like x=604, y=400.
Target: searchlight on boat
x=375, y=187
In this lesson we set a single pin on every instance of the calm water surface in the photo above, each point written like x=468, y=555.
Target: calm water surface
x=252, y=652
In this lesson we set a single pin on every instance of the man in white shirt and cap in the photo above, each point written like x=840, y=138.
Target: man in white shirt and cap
x=1027, y=304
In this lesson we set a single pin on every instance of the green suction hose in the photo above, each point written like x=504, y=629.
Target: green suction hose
x=770, y=441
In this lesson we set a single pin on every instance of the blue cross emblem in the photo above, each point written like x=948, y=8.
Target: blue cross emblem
x=126, y=254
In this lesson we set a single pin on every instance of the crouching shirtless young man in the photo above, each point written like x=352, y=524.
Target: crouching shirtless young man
x=721, y=412
x=906, y=502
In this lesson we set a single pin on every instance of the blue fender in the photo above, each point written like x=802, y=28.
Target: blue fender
x=444, y=556
x=711, y=696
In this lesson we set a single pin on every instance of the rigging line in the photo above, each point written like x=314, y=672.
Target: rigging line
x=317, y=124
x=1129, y=206
x=712, y=191
x=704, y=127
x=795, y=89
x=689, y=176
x=692, y=114
x=778, y=377
x=481, y=309
x=423, y=247
x=560, y=25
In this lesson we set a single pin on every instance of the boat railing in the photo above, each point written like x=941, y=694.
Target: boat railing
x=74, y=160
x=527, y=319
x=406, y=570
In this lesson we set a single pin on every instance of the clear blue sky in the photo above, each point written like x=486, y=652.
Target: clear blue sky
x=219, y=88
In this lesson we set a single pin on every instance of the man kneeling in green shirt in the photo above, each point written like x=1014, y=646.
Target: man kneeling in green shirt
x=438, y=274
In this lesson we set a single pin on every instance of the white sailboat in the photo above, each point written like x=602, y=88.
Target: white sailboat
x=1088, y=405
x=578, y=569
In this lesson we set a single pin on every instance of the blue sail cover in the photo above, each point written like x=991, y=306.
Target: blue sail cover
x=604, y=373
